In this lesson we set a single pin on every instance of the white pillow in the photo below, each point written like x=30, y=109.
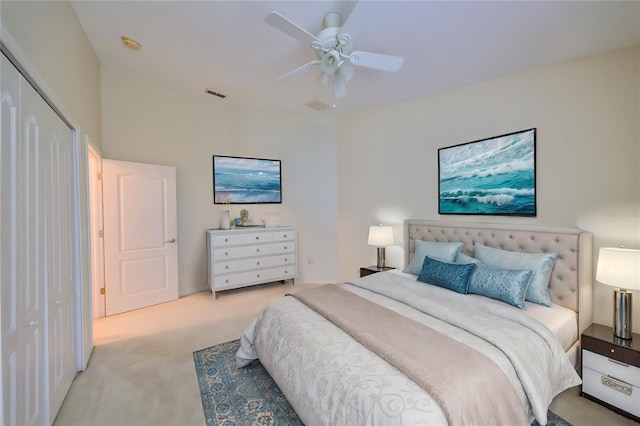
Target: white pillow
x=440, y=251
x=540, y=263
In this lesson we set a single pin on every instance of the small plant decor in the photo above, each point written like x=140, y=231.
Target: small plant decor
x=244, y=216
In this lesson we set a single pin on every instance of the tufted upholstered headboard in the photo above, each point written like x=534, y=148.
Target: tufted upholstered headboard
x=571, y=279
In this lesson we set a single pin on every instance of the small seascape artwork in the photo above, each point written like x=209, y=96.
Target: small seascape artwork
x=239, y=180
x=494, y=176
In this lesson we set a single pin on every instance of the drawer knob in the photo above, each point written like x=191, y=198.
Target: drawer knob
x=258, y=275
x=226, y=253
x=257, y=237
x=226, y=266
x=612, y=350
x=226, y=240
x=285, y=235
x=285, y=247
x=257, y=250
x=286, y=272
x=285, y=259
x=226, y=281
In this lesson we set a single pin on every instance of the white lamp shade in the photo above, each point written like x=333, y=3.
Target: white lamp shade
x=380, y=236
x=619, y=267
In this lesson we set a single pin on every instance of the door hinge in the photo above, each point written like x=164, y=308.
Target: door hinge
x=101, y=234
x=99, y=175
x=102, y=290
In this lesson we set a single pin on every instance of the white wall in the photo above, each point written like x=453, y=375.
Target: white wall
x=148, y=122
x=50, y=35
x=588, y=155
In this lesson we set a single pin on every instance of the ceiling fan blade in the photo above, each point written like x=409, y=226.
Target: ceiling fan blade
x=286, y=26
x=299, y=71
x=376, y=61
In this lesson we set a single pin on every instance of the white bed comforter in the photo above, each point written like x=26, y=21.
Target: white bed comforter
x=330, y=379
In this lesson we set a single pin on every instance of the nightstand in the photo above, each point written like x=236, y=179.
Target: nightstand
x=368, y=270
x=611, y=370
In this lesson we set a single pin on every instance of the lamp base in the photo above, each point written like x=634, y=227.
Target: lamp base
x=622, y=314
x=381, y=259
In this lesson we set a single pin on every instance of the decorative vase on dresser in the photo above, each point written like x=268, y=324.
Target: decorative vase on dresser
x=244, y=257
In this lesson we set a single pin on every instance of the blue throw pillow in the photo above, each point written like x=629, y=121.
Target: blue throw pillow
x=443, y=251
x=453, y=276
x=507, y=285
x=541, y=265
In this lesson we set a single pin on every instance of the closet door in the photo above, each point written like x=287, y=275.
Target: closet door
x=55, y=205
x=23, y=322
x=37, y=252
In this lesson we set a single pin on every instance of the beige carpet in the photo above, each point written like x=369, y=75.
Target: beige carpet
x=141, y=371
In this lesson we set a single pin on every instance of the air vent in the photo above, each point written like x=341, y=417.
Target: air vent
x=220, y=95
x=317, y=105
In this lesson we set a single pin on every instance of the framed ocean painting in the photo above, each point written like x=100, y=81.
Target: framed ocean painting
x=242, y=180
x=493, y=176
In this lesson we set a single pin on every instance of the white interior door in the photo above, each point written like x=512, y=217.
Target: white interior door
x=140, y=235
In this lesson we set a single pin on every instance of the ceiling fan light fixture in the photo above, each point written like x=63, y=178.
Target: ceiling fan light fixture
x=325, y=79
x=346, y=70
x=330, y=62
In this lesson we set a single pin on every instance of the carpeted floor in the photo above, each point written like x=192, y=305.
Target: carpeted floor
x=249, y=396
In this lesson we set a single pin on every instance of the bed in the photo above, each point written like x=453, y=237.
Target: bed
x=391, y=348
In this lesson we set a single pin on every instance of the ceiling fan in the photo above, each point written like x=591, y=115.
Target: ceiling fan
x=334, y=52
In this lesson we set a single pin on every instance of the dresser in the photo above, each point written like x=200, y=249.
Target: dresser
x=611, y=370
x=243, y=257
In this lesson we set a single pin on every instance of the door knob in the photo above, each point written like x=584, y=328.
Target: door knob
x=173, y=240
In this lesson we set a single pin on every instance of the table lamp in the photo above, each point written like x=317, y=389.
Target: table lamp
x=620, y=267
x=380, y=236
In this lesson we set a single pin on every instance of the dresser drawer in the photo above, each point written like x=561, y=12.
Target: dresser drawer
x=223, y=282
x=242, y=238
x=610, y=367
x=234, y=266
x=252, y=251
x=615, y=392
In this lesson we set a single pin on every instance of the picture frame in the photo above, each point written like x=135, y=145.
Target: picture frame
x=246, y=180
x=492, y=176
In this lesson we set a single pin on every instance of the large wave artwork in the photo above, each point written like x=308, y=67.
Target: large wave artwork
x=495, y=176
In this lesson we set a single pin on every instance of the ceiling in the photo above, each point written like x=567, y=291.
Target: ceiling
x=227, y=47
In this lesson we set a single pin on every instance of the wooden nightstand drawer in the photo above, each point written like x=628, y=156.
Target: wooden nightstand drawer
x=627, y=355
x=615, y=392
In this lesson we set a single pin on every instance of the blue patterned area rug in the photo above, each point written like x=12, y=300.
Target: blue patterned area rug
x=233, y=396
x=249, y=396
